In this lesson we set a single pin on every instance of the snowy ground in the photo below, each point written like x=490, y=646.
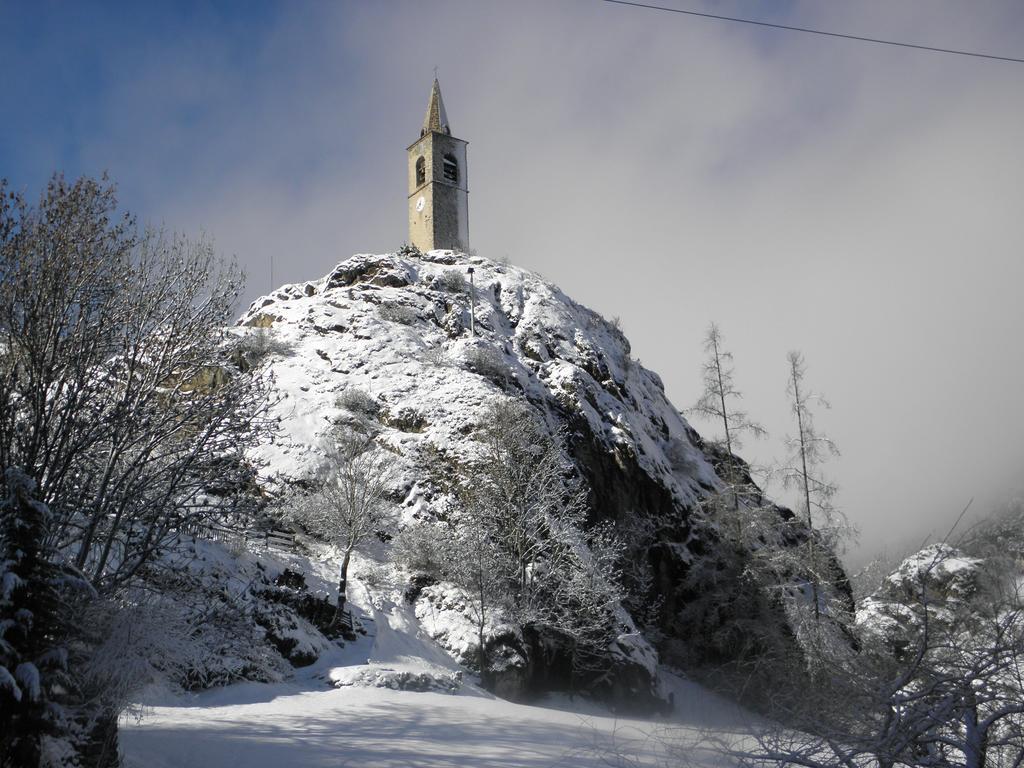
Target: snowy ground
x=375, y=727
x=261, y=726
x=334, y=713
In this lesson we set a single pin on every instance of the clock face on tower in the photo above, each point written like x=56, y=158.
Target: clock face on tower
x=420, y=203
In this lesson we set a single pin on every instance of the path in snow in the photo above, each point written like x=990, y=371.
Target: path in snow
x=399, y=642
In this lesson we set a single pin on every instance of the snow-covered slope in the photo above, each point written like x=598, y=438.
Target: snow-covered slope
x=398, y=328
x=390, y=339
x=392, y=697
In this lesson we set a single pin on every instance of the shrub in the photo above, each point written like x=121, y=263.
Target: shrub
x=397, y=313
x=452, y=280
x=424, y=548
x=359, y=402
x=375, y=574
x=488, y=362
x=405, y=419
x=248, y=351
x=435, y=356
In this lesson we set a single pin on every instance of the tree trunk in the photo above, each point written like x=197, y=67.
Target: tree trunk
x=807, y=494
x=482, y=650
x=342, y=588
x=721, y=397
x=975, y=738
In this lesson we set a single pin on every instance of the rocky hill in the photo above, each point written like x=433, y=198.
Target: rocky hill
x=389, y=340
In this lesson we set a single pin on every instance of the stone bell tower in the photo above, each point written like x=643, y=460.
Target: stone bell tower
x=438, y=194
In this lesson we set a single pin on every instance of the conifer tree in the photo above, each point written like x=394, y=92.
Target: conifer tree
x=34, y=679
x=718, y=402
x=807, y=450
x=720, y=391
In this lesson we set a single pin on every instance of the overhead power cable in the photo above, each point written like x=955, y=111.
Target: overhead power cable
x=810, y=31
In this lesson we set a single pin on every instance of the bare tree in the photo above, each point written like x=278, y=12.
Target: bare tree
x=963, y=618
x=522, y=493
x=934, y=680
x=484, y=570
x=116, y=394
x=525, y=520
x=349, y=503
x=588, y=594
x=807, y=451
x=716, y=401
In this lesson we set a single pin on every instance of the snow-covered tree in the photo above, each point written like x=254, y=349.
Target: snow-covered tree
x=772, y=563
x=349, y=502
x=588, y=595
x=521, y=493
x=736, y=508
x=35, y=630
x=484, y=571
x=116, y=391
x=955, y=625
x=525, y=520
x=933, y=679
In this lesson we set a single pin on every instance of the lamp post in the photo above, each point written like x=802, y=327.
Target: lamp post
x=472, y=303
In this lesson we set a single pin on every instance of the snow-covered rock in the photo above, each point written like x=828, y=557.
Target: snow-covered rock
x=449, y=617
x=939, y=579
x=396, y=679
x=387, y=339
x=394, y=328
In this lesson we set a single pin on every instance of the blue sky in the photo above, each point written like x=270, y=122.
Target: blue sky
x=86, y=74
x=856, y=202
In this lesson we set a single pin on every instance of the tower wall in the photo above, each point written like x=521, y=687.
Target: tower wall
x=441, y=220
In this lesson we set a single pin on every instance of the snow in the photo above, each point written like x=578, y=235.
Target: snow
x=8, y=683
x=397, y=695
x=393, y=697
x=431, y=382
x=378, y=727
x=448, y=616
x=937, y=562
x=27, y=674
x=268, y=726
x=938, y=576
x=8, y=583
x=557, y=353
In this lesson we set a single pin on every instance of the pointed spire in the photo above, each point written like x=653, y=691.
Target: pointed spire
x=436, y=119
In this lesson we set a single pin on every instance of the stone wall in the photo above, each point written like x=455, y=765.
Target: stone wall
x=442, y=221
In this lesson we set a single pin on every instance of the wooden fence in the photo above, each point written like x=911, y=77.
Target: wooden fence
x=275, y=538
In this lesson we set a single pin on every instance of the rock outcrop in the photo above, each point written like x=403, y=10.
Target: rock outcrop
x=387, y=339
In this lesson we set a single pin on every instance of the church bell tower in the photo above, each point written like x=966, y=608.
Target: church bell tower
x=438, y=194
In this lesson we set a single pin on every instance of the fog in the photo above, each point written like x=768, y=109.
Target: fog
x=860, y=203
